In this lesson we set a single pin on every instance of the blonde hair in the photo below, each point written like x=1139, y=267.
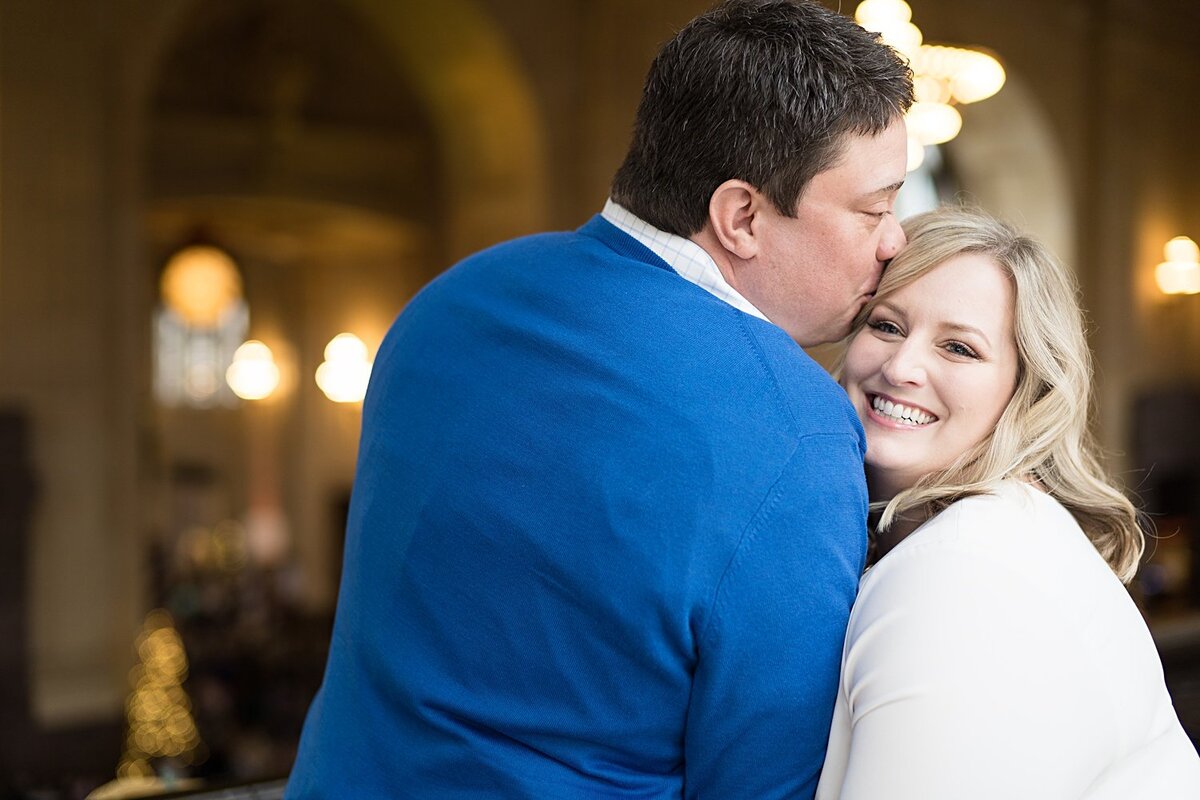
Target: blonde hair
x=1044, y=434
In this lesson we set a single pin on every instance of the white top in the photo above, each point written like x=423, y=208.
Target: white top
x=684, y=256
x=993, y=654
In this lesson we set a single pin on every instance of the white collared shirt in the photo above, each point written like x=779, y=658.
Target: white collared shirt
x=684, y=256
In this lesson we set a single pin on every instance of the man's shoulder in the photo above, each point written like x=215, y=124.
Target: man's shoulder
x=813, y=398
x=551, y=256
x=534, y=245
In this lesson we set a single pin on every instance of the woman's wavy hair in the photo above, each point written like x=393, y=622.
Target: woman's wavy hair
x=1044, y=434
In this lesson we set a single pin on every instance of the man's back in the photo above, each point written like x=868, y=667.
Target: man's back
x=604, y=538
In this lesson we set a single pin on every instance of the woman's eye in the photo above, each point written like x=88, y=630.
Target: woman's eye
x=883, y=326
x=960, y=349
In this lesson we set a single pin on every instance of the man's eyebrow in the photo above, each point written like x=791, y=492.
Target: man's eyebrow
x=884, y=191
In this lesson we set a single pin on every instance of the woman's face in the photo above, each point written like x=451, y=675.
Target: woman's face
x=933, y=370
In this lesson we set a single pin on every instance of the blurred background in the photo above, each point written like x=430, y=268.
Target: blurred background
x=210, y=212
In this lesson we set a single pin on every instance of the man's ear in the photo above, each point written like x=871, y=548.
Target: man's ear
x=732, y=210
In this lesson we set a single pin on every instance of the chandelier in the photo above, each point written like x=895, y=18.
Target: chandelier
x=943, y=76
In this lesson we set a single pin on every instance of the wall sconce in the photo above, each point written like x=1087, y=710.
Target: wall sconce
x=344, y=374
x=1180, y=273
x=253, y=375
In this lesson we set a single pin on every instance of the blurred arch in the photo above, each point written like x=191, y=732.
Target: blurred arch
x=1011, y=162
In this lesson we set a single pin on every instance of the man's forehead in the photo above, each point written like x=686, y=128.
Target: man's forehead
x=869, y=165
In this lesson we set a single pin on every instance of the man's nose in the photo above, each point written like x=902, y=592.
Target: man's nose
x=892, y=240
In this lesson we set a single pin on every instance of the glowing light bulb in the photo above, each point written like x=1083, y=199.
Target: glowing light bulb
x=977, y=76
x=1181, y=248
x=346, y=370
x=892, y=20
x=200, y=283
x=881, y=12
x=253, y=375
x=1180, y=273
x=933, y=123
x=931, y=89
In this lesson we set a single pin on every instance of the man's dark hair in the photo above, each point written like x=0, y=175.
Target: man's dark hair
x=764, y=91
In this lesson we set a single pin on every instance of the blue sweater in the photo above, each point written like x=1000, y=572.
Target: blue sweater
x=604, y=538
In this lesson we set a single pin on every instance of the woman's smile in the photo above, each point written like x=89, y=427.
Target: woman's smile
x=890, y=411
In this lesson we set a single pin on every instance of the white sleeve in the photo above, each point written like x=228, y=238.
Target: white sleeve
x=960, y=681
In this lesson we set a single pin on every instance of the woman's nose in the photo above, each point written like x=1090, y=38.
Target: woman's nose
x=904, y=366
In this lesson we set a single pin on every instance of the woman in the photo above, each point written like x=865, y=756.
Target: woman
x=992, y=651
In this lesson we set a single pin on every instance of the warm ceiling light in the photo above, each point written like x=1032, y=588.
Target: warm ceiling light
x=929, y=89
x=881, y=13
x=942, y=76
x=199, y=284
x=933, y=123
x=253, y=375
x=976, y=76
x=344, y=375
x=892, y=20
x=1180, y=273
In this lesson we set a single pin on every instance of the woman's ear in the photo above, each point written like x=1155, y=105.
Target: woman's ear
x=733, y=211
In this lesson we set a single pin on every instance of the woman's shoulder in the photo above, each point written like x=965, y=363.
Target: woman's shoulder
x=1018, y=547
x=983, y=539
x=1007, y=504
x=1014, y=555
x=1013, y=523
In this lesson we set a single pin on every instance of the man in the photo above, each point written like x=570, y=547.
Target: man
x=609, y=518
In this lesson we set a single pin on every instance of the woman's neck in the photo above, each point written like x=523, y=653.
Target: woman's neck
x=882, y=488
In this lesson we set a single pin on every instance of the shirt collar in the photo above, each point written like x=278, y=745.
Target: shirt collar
x=689, y=259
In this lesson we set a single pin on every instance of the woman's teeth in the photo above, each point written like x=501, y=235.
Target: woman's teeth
x=901, y=413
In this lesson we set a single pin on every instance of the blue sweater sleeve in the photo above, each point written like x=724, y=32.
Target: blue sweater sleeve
x=767, y=671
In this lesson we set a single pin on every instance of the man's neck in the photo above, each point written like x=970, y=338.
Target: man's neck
x=707, y=241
